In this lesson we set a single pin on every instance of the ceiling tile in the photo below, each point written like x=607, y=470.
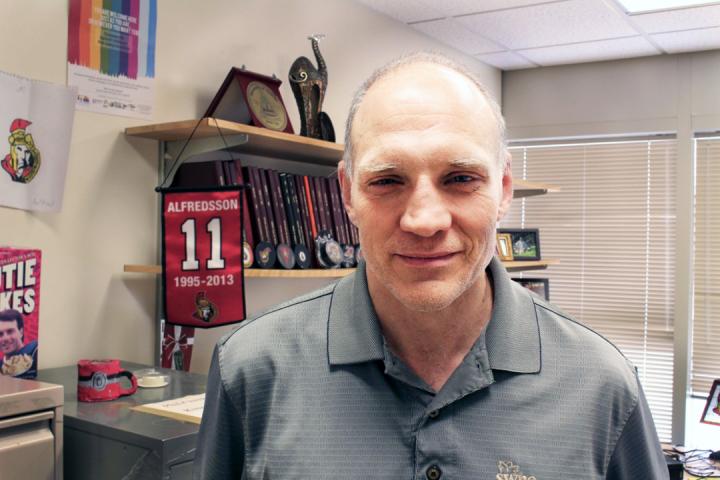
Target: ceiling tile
x=404, y=10
x=452, y=33
x=505, y=60
x=591, y=51
x=685, y=19
x=689, y=41
x=464, y=7
x=550, y=24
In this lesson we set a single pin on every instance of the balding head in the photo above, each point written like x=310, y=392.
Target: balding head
x=457, y=76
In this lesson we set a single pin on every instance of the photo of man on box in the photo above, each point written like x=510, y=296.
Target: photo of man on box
x=18, y=359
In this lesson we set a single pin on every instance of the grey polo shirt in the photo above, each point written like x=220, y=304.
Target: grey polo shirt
x=308, y=390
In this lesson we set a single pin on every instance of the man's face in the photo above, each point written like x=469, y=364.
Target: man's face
x=10, y=337
x=427, y=188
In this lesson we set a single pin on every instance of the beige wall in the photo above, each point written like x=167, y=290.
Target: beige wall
x=89, y=308
x=638, y=95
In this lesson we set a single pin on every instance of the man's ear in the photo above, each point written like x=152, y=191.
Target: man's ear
x=507, y=188
x=346, y=190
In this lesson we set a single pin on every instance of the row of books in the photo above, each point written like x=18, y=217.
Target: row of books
x=290, y=221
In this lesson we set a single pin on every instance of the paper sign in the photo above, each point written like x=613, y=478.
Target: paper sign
x=37, y=119
x=111, y=55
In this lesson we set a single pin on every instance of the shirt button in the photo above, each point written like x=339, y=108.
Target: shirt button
x=433, y=472
x=434, y=413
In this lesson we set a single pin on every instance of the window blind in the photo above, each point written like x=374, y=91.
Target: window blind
x=706, y=294
x=612, y=226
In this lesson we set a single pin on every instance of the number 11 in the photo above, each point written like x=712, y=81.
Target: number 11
x=214, y=228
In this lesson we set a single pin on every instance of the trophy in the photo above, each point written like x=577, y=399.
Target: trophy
x=308, y=85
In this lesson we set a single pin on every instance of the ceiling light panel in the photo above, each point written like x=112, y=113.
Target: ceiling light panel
x=550, y=24
x=639, y=6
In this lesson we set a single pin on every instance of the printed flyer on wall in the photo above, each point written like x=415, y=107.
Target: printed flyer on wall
x=19, y=311
x=111, y=55
x=36, y=119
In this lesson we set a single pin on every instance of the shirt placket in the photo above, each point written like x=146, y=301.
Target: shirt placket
x=436, y=437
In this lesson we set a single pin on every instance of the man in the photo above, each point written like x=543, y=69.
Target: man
x=17, y=360
x=427, y=362
x=11, y=331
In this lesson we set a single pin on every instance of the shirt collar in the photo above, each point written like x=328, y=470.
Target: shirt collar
x=354, y=334
x=512, y=337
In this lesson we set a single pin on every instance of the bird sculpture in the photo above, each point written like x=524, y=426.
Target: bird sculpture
x=308, y=84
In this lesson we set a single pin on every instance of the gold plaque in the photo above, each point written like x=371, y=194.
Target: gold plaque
x=251, y=98
x=266, y=106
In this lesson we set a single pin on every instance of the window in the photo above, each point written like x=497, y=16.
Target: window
x=706, y=293
x=612, y=226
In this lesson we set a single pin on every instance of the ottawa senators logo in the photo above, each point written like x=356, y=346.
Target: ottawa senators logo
x=205, y=310
x=23, y=161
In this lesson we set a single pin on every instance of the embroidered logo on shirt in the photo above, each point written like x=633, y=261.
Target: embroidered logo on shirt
x=510, y=471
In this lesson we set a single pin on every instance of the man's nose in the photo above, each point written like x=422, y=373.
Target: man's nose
x=426, y=211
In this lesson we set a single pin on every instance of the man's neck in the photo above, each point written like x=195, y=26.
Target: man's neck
x=433, y=344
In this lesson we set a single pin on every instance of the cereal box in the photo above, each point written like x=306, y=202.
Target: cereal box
x=19, y=311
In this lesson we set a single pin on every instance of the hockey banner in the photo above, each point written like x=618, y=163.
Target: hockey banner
x=203, y=257
x=19, y=311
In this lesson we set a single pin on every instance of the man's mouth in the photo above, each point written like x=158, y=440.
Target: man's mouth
x=427, y=259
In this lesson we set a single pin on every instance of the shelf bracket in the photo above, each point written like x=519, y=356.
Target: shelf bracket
x=198, y=149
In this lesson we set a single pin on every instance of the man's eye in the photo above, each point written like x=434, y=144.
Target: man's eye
x=383, y=182
x=461, y=179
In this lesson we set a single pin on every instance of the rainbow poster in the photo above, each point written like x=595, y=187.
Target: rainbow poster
x=111, y=55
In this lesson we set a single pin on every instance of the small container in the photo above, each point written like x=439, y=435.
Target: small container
x=151, y=378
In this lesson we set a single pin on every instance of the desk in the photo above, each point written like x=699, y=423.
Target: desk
x=107, y=440
x=31, y=418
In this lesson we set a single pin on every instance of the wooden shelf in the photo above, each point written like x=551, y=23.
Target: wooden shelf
x=329, y=273
x=261, y=141
x=523, y=188
x=266, y=142
x=259, y=272
x=529, y=265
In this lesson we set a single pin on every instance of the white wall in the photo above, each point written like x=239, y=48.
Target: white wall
x=641, y=95
x=664, y=94
x=89, y=308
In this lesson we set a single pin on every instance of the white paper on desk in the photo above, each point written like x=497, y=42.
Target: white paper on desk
x=188, y=406
x=37, y=119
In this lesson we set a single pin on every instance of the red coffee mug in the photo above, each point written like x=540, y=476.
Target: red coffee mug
x=99, y=380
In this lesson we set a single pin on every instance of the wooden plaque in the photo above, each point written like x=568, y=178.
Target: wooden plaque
x=252, y=99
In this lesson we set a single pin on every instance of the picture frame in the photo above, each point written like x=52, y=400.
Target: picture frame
x=711, y=413
x=525, y=242
x=503, y=246
x=251, y=98
x=539, y=286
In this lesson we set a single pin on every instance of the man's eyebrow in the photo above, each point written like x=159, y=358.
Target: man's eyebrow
x=384, y=167
x=378, y=168
x=468, y=162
